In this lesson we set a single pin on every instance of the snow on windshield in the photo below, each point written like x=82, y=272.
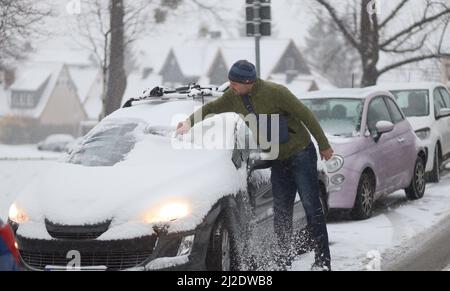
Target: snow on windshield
x=337, y=116
x=108, y=143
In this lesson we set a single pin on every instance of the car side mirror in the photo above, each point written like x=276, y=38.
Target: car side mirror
x=443, y=113
x=382, y=127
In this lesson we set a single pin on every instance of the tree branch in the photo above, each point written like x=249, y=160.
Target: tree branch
x=393, y=13
x=340, y=24
x=411, y=28
x=408, y=61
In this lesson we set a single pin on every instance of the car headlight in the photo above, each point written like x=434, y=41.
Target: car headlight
x=423, y=133
x=334, y=164
x=167, y=212
x=17, y=215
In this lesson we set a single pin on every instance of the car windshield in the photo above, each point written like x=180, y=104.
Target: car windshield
x=106, y=145
x=413, y=102
x=337, y=116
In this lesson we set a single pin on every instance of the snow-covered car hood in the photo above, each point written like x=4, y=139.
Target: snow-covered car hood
x=154, y=173
x=346, y=146
x=419, y=122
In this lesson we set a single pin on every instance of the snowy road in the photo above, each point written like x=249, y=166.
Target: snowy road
x=427, y=252
x=377, y=243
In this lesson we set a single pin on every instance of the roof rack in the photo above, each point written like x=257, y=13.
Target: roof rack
x=162, y=94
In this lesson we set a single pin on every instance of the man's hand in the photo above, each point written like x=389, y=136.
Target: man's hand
x=326, y=154
x=183, y=128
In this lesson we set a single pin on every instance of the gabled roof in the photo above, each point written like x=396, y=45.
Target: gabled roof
x=84, y=79
x=271, y=52
x=72, y=57
x=195, y=57
x=299, y=85
x=32, y=72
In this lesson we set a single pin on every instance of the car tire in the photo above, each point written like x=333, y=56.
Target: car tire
x=221, y=254
x=435, y=175
x=364, y=198
x=416, y=189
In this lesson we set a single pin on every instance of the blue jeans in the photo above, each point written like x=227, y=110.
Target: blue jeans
x=299, y=174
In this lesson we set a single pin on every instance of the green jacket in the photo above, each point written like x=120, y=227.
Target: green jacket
x=270, y=98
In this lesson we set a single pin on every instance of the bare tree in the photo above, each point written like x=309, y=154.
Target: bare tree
x=18, y=20
x=117, y=80
x=330, y=53
x=95, y=31
x=408, y=42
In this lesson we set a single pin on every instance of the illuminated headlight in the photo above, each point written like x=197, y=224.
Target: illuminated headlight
x=17, y=214
x=423, y=133
x=186, y=245
x=337, y=179
x=167, y=212
x=335, y=164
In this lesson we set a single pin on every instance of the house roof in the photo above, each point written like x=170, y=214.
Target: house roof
x=271, y=52
x=72, y=57
x=299, y=85
x=195, y=57
x=84, y=79
x=31, y=78
x=32, y=72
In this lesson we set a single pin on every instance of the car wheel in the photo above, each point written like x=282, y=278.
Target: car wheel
x=221, y=251
x=364, y=198
x=416, y=189
x=435, y=175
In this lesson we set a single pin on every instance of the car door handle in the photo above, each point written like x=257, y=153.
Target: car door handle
x=401, y=140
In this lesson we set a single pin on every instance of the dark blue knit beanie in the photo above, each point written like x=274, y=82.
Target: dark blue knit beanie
x=242, y=72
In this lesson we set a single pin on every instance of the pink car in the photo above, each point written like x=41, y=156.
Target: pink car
x=376, y=149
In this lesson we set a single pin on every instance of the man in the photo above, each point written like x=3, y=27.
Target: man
x=295, y=169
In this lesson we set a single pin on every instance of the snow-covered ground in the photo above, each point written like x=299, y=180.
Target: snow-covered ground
x=355, y=245
x=25, y=152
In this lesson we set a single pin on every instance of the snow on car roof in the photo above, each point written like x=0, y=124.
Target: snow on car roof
x=407, y=86
x=164, y=114
x=343, y=93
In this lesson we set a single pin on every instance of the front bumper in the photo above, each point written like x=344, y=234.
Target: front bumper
x=343, y=196
x=151, y=252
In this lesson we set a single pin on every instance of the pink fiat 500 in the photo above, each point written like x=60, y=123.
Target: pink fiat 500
x=376, y=149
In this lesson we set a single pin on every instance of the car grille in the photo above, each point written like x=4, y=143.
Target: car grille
x=112, y=260
x=76, y=232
